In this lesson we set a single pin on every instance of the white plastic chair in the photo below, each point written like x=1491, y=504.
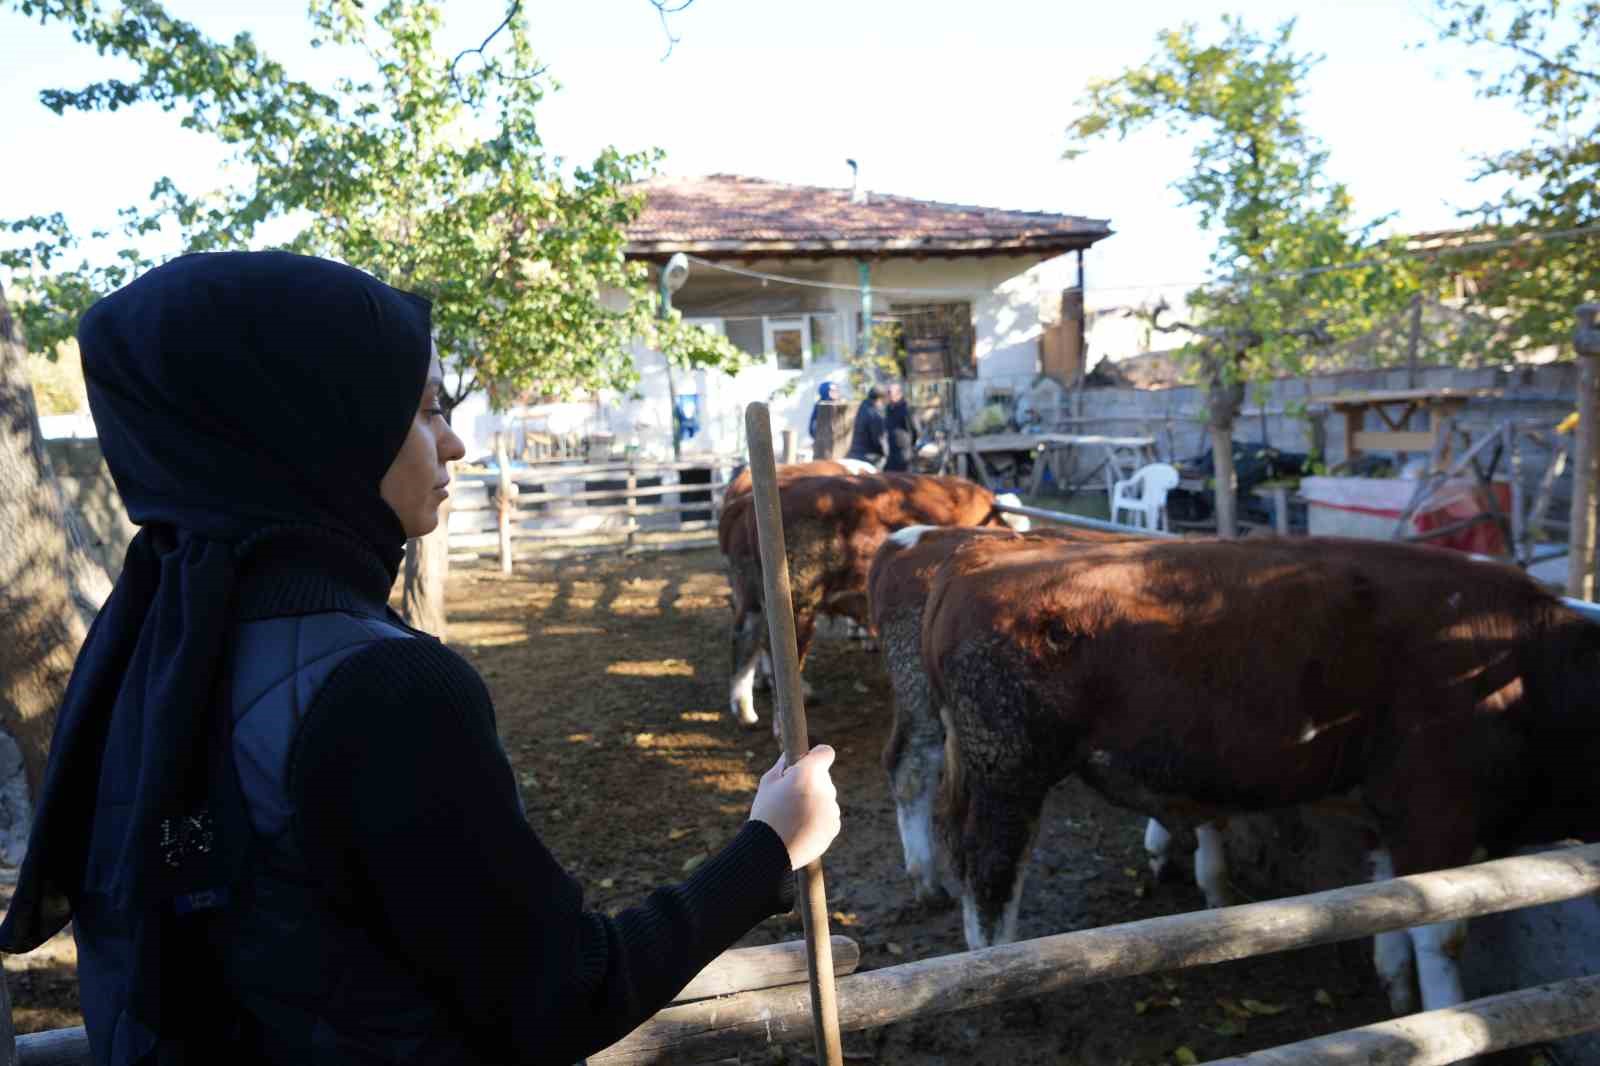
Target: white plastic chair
x=1144, y=495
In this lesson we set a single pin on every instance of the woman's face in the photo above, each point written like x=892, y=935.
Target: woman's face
x=414, y=485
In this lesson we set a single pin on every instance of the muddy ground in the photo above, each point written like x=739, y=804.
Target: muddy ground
x=610, y=679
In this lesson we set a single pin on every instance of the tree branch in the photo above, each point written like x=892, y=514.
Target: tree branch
x=511, y=13
x=663, y=9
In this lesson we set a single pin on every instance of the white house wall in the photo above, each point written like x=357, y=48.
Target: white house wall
x=1012, y=298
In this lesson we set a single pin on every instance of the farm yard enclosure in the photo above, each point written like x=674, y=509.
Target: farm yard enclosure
x=609, y=677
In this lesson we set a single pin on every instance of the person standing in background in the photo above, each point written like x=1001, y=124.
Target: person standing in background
x=869, y=440
x=902, y=427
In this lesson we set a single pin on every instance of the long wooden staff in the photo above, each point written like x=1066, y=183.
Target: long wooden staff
x=791, y=711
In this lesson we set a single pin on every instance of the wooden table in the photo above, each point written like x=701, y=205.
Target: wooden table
x=1123, y=455
x=1395, y=407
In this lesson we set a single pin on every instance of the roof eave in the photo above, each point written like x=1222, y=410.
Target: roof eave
x=856, y=247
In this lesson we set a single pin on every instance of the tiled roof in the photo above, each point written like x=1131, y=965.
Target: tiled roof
x=727, y=215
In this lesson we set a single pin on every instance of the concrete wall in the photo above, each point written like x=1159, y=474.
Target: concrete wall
x=1175, y=417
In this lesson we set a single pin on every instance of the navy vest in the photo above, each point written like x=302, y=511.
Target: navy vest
x=314, y=985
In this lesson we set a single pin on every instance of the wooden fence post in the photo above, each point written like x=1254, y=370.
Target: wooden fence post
x=832, y=437
x=1586, y=457
x=786, y=456
x=633, y=508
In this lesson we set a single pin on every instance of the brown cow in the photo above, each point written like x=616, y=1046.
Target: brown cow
x=832, y=526
x=897, y=585
x=1190, y=680
x=741, y=484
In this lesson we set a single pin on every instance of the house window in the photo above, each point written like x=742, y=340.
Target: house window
x=791, y=342
x=825, y=345
x=746, y=335
x=787, y=341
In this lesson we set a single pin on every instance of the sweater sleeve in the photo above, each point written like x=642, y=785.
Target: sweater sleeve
x=418, y=827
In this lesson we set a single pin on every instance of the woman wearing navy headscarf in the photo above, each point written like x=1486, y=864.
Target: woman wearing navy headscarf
x=280, y=820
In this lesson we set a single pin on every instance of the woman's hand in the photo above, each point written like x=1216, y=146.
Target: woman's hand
x=800, y=804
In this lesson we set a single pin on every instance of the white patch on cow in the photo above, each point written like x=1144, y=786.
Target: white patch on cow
x=916, y=840
x=1008, y=920
x=1018, y=522
x=742, y=694
x=1007, y=931
x=1438, y=947
x=1211, y=865
x=908, y=537
x=970, y=924
x=1157, y=843
x=858, y=466
x=1391, y=952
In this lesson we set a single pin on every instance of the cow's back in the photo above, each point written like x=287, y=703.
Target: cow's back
x=1281, y=657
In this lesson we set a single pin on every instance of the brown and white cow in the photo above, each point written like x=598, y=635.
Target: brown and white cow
x=1190, y=680
x=741, y=483
x=897, y=584
x=832, y=526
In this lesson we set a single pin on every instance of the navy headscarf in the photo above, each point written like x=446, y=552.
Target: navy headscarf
x=235, y=394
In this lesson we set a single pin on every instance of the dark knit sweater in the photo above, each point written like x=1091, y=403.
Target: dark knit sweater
x=409, y=817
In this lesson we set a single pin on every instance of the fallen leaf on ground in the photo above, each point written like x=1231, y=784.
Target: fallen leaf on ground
x=692, y=861
x=1232, y=1008
x=1255, y=1006
x=608, y=882
x=1184, y=1057
x=1323, y=997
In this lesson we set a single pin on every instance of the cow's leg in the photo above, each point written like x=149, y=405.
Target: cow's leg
x=914, y=758
x=1211, y=865
x=1431, y=789
x=999, y=836
x=1391, y=952
x=748, y=640
x=1158, y=846
x=805, y=624
x=1438, y=949
x=764, y=674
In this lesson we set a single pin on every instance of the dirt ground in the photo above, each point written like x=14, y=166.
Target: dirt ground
x=610, y=679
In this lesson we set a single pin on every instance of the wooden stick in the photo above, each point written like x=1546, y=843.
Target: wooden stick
x=697, y=1031
x=791, y=713
x=1494, y=1023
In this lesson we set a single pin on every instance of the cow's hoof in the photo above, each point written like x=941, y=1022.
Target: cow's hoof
x=744, y=714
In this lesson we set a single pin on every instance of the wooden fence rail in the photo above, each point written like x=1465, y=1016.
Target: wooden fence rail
x=1494, y=1023
x=696, y=1032
x=734, y=970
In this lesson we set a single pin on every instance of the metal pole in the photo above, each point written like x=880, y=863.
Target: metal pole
x=864, y=272
x=1586, y=457
x=791, y=712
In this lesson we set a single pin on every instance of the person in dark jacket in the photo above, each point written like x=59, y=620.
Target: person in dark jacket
x=824, y=395
x=869, y=439
x=281, y=820
x=902, y=428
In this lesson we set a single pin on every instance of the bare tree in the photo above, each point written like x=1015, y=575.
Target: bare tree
x=51, y=586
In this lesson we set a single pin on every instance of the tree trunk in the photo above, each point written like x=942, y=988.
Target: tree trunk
x=426, y=570
x=51, y=586
x=1225, y=400
x=1222, y=467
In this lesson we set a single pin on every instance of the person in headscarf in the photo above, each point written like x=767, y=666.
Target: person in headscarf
x=902, y=427
x=280, y=820
x=869, y=438
x=824, y=395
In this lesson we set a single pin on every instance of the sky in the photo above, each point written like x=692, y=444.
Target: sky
x=959, y=102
